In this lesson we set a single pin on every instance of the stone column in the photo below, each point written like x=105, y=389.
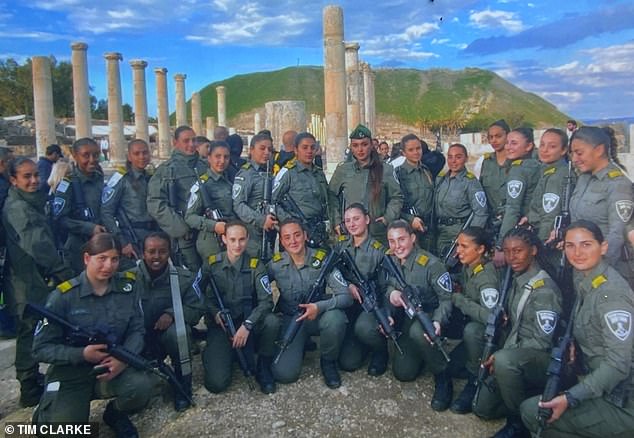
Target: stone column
x=257, y=124
x=334, y=84
x=164, y=140
x=284, y=115
x=181, y=105
x=222, y=106
x=116, y=138
x=140, y=99
x=353, y=81
x=197, y=117
x=210, y=124
x=368, y=90
x=43, y=104
x=81, y=91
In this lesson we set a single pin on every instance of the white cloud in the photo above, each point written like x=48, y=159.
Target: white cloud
x=495, y=19
x=569, y=96
x=34, y=35
x=399, y=54
x=122, y=15
x=418, y=30
x=440, y=41
x=506, y=73
x=564, y=68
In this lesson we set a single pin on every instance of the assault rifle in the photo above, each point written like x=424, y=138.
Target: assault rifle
x=562, y=220
x=230, y=329
x=268, y=237
x=367, y=292
x=209, y=212
x=314, y=239
x=342, y=206
x=451, y=259
x=414, y=305
x=125, y=223
x=492, y=331
x=81, y=337
x=313, y=293
x=172, y=199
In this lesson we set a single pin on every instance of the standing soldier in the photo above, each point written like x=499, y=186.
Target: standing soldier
x=294, y=272
x=168, y=193
x=303, y=184
x=210, y=206
x=243, y=285
x=156, y=283
x=32, y=269
x=77, y=202
x=248, y=193
x=432, y=282
x=458, y=194
x=417, y=184
x=367, y=180
x=123, y=206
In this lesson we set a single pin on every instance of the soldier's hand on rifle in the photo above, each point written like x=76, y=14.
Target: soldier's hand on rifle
x=128, y=251
x=310, y=312
x=99, y=229
x=219, y=321
x=572, y=353
x=164, y=321
x=396, y=298
x=489, y=364
x=630, y=237
x=240, y=339
x=418, y=225
x=380, y=328
x=219, y=228
x=337, y=230
x=354, y=291
x=115, y=367
x=437, y=330
x=559, y=405
x=269, y=222
x=523, y=220
x=95, y=353
x=380, y=219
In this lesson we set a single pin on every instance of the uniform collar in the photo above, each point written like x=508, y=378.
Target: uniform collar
x=471, y=271
x=242, y=264
x=146, y=273
x=411, y=258
x=301, y=166
x=602, y=174
x=459, y=175
x=214, y=175
x=86, y=289
x=525, y=277
x=585, y=281
x=258, y=167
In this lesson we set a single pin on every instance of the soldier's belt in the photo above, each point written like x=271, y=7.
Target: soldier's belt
x=146, y=225
x=452, y=220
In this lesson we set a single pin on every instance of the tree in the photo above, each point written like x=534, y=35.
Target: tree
x=62, y=74
x=100, y=110
x=16, y=88
x=128, y=114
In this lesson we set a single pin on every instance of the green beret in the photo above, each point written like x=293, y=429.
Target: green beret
x=360, y=132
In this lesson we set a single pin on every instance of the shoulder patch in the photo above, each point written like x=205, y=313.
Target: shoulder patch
x=624, y=209
x=107, y=194
x=490, y=297
x=444, y=281
x=516, y=162
x=245, y=165
x=537, y=283
x=547, y=320
x=58, y=205
x=422, y=260
x=204, y=177
x=550, y=170
x=318, y=258
x=377, y=245
x=253, y=263
x=122, y=170
x=266, y=284
x=63, y=186
x=342, y=237
x=598, y=281
x=116, y=177
x=488, y=155
x=470, y=175
x=442, y=173
x=213, y=259
x=620, y=323
x=614, y=173
x=235, y=190
x=129, y=275
x=277, y=257
x=66, y=286
x=478, y=269
x=514, y=188
x=290, y=164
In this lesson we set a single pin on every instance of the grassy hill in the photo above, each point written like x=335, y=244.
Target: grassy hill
x=476, y=97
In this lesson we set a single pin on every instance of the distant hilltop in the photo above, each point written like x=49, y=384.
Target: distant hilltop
x=467, y=100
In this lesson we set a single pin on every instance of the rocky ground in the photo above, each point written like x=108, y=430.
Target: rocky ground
x=363, y=407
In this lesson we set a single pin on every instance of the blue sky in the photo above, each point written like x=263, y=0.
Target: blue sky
x=577, y=54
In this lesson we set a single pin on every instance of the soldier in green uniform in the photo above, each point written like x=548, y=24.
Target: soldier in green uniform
x=603, y=194
x=495, y=167
x=210, y=220
x=32, y=269
x=168, y=193
x=368, y=180
x=305, y=184
x=99, y=298
x=294, y=272
x=417, y=185
x=153, y=284
x=520, y=184
x=125, y=194
x=457, y=195
x=518, y=369
x=77, y=202
x=427, y=273
x=362, y=333
x=248, y=193
x=598, y=404
x=243, y=284
x=478, y=294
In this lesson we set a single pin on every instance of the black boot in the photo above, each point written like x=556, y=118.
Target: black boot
x=31, y=390
x=378, y=362
x=180, y=401
x=264, y=376
x=514, y=428
x=330, y=373
x=463, y=404
x=119, y=422
x=443, y=392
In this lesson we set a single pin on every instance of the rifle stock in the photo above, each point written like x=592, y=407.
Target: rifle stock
x=289, y=204
x=451, y=259
x=124, y=221
x=267, y=209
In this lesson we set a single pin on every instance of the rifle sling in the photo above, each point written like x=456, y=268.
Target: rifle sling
x=179, y=321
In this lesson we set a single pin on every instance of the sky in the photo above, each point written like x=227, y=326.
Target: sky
x=578, y=54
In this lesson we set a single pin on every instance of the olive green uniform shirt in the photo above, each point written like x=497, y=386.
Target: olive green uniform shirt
x=308, y=188
x=66, y=210
x=480, y=292
x=493, y=180
x=417, y=185
x=247, y=195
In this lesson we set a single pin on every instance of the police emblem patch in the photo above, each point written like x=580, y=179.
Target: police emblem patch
x=489, y=297
x=547, y=320
x=195, y=187
x=278, y=178
x=624, y=209
x=337, y=274
x=107, y=194
x=58, y=205
x=127, y=287
x=193, y=197
x=620, y=323
x=316, y=263
x=62, y=186
x=444, y=281
x=235, y=191
x=550, y=201
x=481, y=198
x=514, y=188
x=266, y=284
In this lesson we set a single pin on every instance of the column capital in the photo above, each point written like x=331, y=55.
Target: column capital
x=180, y=77
x=138, y=64
x=160, y=71
x=220, y=89
x=113, y=56
x=79, y=45
x=352, y=46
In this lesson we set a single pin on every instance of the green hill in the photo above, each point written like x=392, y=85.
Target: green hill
x=471, y=97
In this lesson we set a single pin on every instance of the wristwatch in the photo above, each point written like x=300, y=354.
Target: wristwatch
x=248, y=324
x=572, y=402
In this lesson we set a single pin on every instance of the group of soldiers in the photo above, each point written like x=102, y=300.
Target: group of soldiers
x=381, y=261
